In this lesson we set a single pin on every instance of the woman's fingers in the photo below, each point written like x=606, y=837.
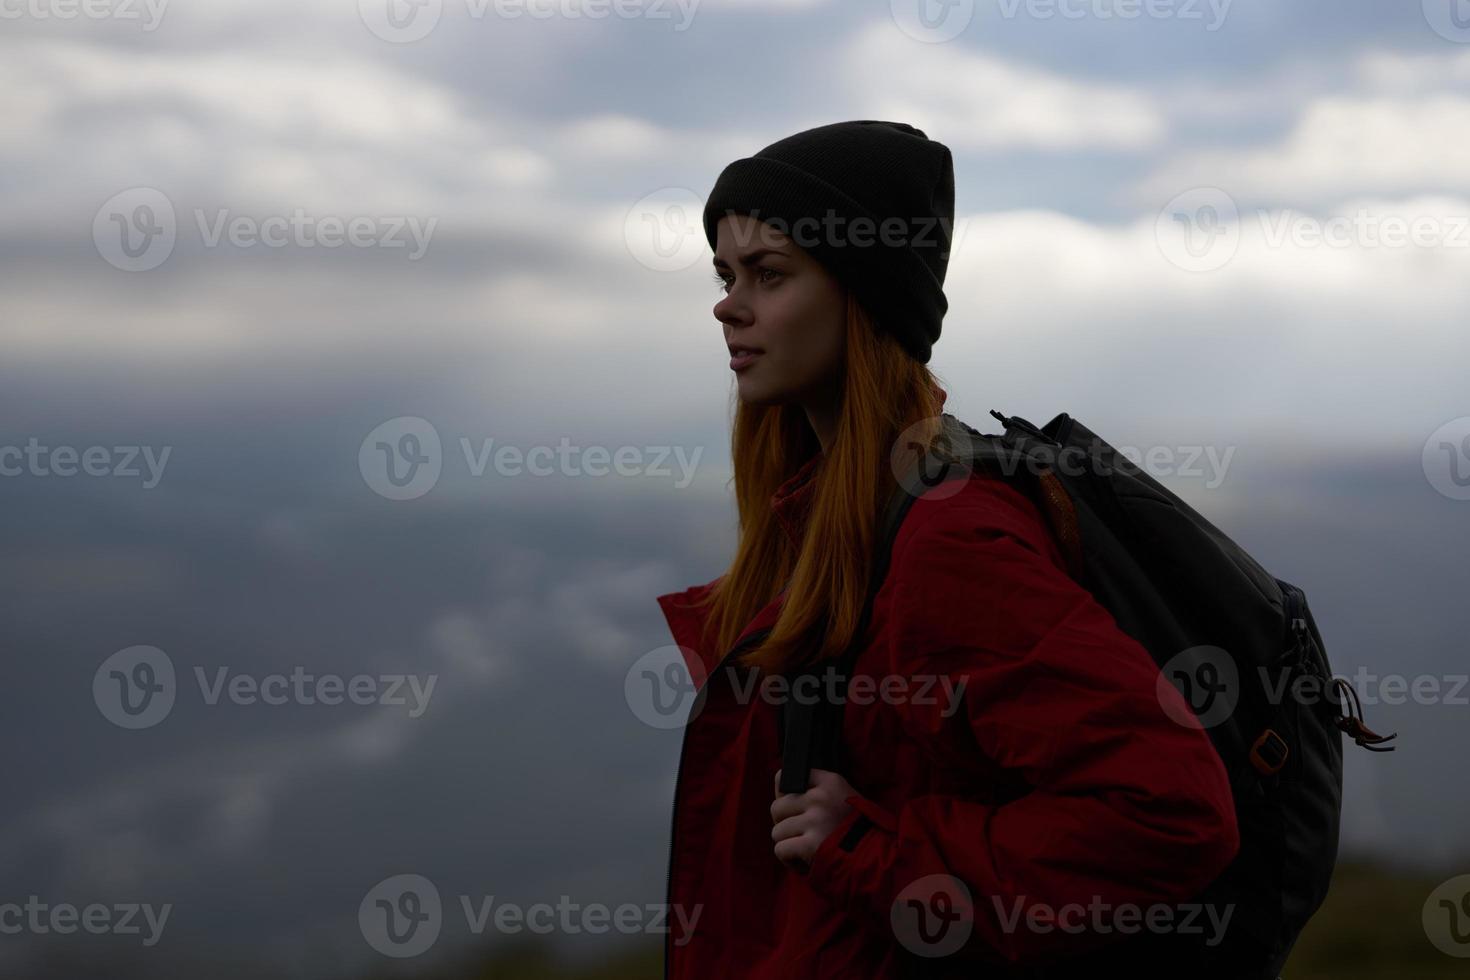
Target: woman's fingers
x=802, y=820
x=788, y=828
x=788, y=806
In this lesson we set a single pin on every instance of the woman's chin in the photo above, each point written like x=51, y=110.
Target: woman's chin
x=757, y=391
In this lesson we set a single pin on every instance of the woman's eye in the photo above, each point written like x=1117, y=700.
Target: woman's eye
x=724, y=284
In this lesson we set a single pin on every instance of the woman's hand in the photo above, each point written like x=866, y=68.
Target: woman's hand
x=803, y=820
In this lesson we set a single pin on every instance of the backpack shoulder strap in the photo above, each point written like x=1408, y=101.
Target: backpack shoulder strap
x=811, y=730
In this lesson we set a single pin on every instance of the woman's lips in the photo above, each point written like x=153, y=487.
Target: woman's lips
x=744, y=359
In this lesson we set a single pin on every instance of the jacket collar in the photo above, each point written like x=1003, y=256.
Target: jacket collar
x=791, y=504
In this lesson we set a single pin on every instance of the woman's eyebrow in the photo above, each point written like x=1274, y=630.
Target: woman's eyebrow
x=749, y=258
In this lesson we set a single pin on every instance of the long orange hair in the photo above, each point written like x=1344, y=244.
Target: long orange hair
x=884, y=392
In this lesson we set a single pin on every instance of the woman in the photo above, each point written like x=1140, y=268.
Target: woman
x=1020, y=765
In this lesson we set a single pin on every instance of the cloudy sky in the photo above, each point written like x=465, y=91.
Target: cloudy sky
x=246, y=245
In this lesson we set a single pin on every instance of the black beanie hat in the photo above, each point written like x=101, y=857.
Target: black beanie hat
x=873, y=201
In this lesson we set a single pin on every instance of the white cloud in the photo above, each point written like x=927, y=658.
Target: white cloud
x=973, y=100
x=247, y=129
x=1399, y=72
x=1339, y=145
x=1402, y=125
x=334, y=98
x=619, y=139
x=1279, y=331
x=524, y=272
x=616, y=137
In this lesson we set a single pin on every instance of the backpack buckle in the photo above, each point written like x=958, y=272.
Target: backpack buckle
x=1269, y=752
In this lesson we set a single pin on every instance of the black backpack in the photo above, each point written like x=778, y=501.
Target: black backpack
x=1204, y=609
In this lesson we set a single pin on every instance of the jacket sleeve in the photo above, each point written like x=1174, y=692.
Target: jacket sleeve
x=1126, y=806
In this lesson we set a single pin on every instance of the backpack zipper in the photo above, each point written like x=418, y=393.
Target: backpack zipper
x=1296, y=622
x=1349, y=708
x=747, y=642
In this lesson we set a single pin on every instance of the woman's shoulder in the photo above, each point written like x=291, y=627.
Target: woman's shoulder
x=686, y=612
x=978, y=508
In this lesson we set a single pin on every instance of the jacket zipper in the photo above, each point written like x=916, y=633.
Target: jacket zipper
x=747, y=642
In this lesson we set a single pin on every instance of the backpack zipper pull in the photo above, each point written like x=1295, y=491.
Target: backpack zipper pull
x=1353, y=725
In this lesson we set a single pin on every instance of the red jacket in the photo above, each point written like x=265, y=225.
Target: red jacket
x=1124, y=804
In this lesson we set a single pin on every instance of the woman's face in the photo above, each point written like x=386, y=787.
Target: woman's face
x=786, y=306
